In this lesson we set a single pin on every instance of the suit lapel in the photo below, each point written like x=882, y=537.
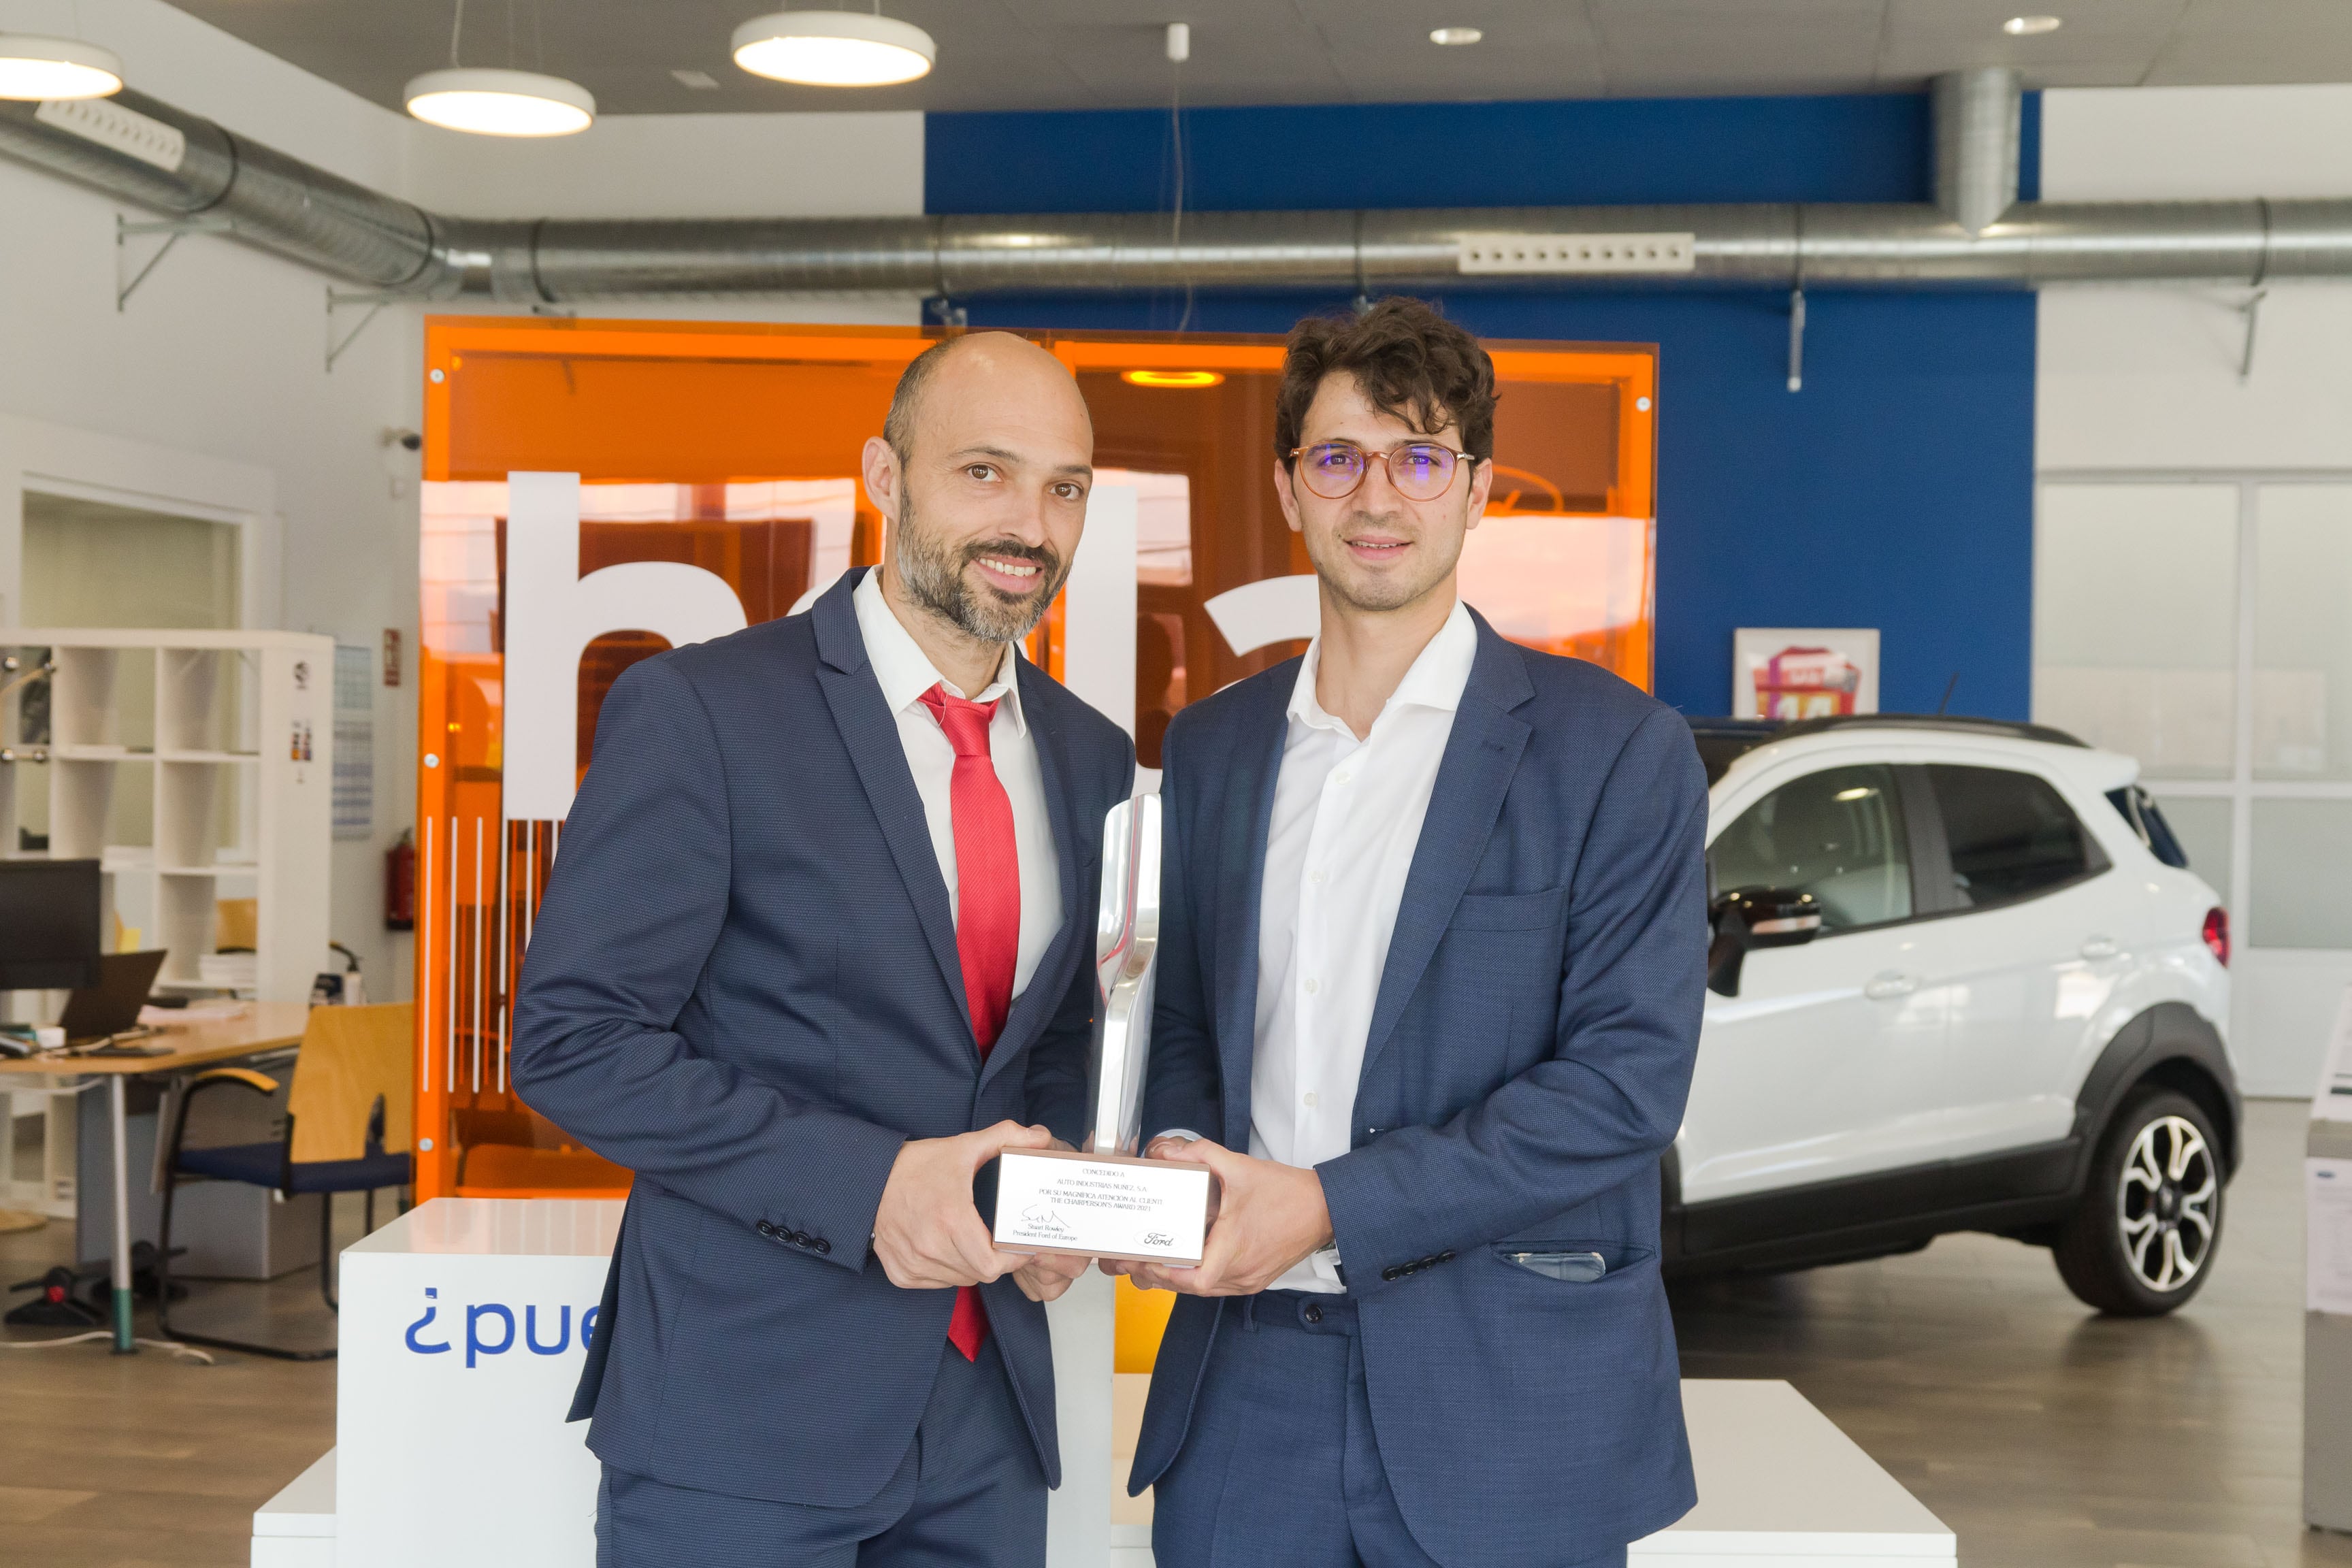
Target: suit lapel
x=871, y=733
x=1238, y=873
x=1472, y=777
x=1049, y=983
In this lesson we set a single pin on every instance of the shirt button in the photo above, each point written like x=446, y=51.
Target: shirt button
x=1341, y=778
x=1316, y=877
x=1310, y=1100
x=1311, y=983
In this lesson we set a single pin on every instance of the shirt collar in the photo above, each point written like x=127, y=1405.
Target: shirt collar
x=1437, y=678
x=906, y=671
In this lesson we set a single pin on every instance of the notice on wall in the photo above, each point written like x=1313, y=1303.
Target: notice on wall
x=2328, y=1252
x=354, y=741
x=2332, y=1101
x=1803, y=672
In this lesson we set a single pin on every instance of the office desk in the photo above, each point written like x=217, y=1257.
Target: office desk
x=194, y=1045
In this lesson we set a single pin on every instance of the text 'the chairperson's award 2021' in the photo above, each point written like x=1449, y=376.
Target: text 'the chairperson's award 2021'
x=1104, y=1202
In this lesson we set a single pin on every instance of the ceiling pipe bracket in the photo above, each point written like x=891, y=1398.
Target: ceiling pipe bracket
x=1797, y=339
x=376, y=300
x=172, y=229
x=2251, y=311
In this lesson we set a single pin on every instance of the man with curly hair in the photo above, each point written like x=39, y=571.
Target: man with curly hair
x=1432, y=966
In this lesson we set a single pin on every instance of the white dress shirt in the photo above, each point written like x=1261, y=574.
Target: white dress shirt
x=905, y=672
x=1346, y=818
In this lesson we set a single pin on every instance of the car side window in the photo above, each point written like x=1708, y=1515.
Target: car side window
x=2138, y=808
x=1837, y=834
x=2010, y=834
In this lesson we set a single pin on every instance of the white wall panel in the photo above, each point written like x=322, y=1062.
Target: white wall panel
x=2185, y=143
x=2148, y=378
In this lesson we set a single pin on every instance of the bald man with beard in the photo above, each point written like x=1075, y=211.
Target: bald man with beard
x=818, y=947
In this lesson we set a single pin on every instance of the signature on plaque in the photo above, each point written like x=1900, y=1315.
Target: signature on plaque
x=1040, y=1218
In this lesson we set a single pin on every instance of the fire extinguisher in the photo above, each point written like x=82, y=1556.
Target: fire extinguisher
x=400, y=885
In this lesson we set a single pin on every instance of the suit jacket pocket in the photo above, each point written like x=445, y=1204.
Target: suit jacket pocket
x=1509, y=912
x=1570, y=1262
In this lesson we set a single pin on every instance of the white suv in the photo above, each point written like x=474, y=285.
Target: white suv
x=1962, y=979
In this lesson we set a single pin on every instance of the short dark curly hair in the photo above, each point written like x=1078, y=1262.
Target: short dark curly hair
x=1410, y=361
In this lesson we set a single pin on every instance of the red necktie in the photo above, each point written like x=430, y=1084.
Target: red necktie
x=988, y=912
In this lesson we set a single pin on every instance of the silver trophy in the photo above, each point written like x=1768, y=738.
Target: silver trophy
x=1104, y=1201
x=1126, y=948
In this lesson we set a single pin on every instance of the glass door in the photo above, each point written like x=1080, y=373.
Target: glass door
x=2203, y=623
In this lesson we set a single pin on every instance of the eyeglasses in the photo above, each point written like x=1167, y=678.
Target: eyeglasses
x=1418, y=470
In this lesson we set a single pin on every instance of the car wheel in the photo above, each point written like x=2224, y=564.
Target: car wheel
x=2142, y=1236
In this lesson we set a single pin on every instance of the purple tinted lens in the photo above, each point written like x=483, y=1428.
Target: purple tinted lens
x=1422, y=470
x=1334, y=468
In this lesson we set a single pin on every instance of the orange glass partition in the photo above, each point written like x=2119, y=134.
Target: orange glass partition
x=734, y=448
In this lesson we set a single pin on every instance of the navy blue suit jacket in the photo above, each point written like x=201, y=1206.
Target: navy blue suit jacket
x=1530, y=1048
x=744, y=986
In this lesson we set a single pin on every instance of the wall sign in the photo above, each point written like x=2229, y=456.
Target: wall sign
x=1801, y=672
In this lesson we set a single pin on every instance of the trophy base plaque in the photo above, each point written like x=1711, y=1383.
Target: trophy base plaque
x=1101, y=1206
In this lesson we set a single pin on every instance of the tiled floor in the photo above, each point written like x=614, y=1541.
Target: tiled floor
x=2047, y=1437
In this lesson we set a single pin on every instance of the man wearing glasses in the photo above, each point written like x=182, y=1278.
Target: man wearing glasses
x=1433, y=953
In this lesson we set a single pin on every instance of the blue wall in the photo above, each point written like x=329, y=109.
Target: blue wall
x=1896, y=490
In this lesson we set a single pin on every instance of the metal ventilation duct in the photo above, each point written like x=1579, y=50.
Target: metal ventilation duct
x=1979, y=235
x=1979, y=125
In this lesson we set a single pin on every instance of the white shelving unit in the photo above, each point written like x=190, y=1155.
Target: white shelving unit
x=239, y=716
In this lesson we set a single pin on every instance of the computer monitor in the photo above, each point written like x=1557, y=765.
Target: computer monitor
x=49, y=924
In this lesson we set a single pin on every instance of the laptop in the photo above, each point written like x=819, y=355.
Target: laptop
x=111, y=1007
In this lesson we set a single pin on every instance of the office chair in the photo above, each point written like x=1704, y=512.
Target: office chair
x=349, y=1128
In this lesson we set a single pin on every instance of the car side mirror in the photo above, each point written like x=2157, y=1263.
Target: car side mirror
x=1751, y=918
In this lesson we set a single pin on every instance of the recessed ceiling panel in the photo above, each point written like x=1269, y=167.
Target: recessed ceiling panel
x=1103, y=54
x=2223, y=41
x=1717, y=46
x=2103, y=42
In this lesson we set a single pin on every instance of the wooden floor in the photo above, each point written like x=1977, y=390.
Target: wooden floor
x=2046, y=1436
x=134, y=1461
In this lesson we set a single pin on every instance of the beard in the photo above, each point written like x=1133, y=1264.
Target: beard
x=935, y=570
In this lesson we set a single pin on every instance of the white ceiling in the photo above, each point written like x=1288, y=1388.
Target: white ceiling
x=1099, y=54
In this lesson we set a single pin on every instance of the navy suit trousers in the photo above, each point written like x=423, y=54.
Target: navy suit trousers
x=969, y=1494
x=1282, y=1469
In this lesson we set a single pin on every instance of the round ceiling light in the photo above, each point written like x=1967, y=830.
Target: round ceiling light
x=2031, y=27
x=1171, y=377
x=34, y=69
x=501, y=102
x=1455, y=36
x=834, y=49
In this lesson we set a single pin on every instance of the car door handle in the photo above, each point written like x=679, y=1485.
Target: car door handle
x=2101, y=947
x=1888, y=986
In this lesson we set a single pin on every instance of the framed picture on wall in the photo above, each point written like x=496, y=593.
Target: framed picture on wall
x=1803, y=672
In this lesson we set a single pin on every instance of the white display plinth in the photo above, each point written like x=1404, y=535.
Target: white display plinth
x=461, y=1330
x=295, y=1529
x=1779, y=1483
x=461, y=1457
